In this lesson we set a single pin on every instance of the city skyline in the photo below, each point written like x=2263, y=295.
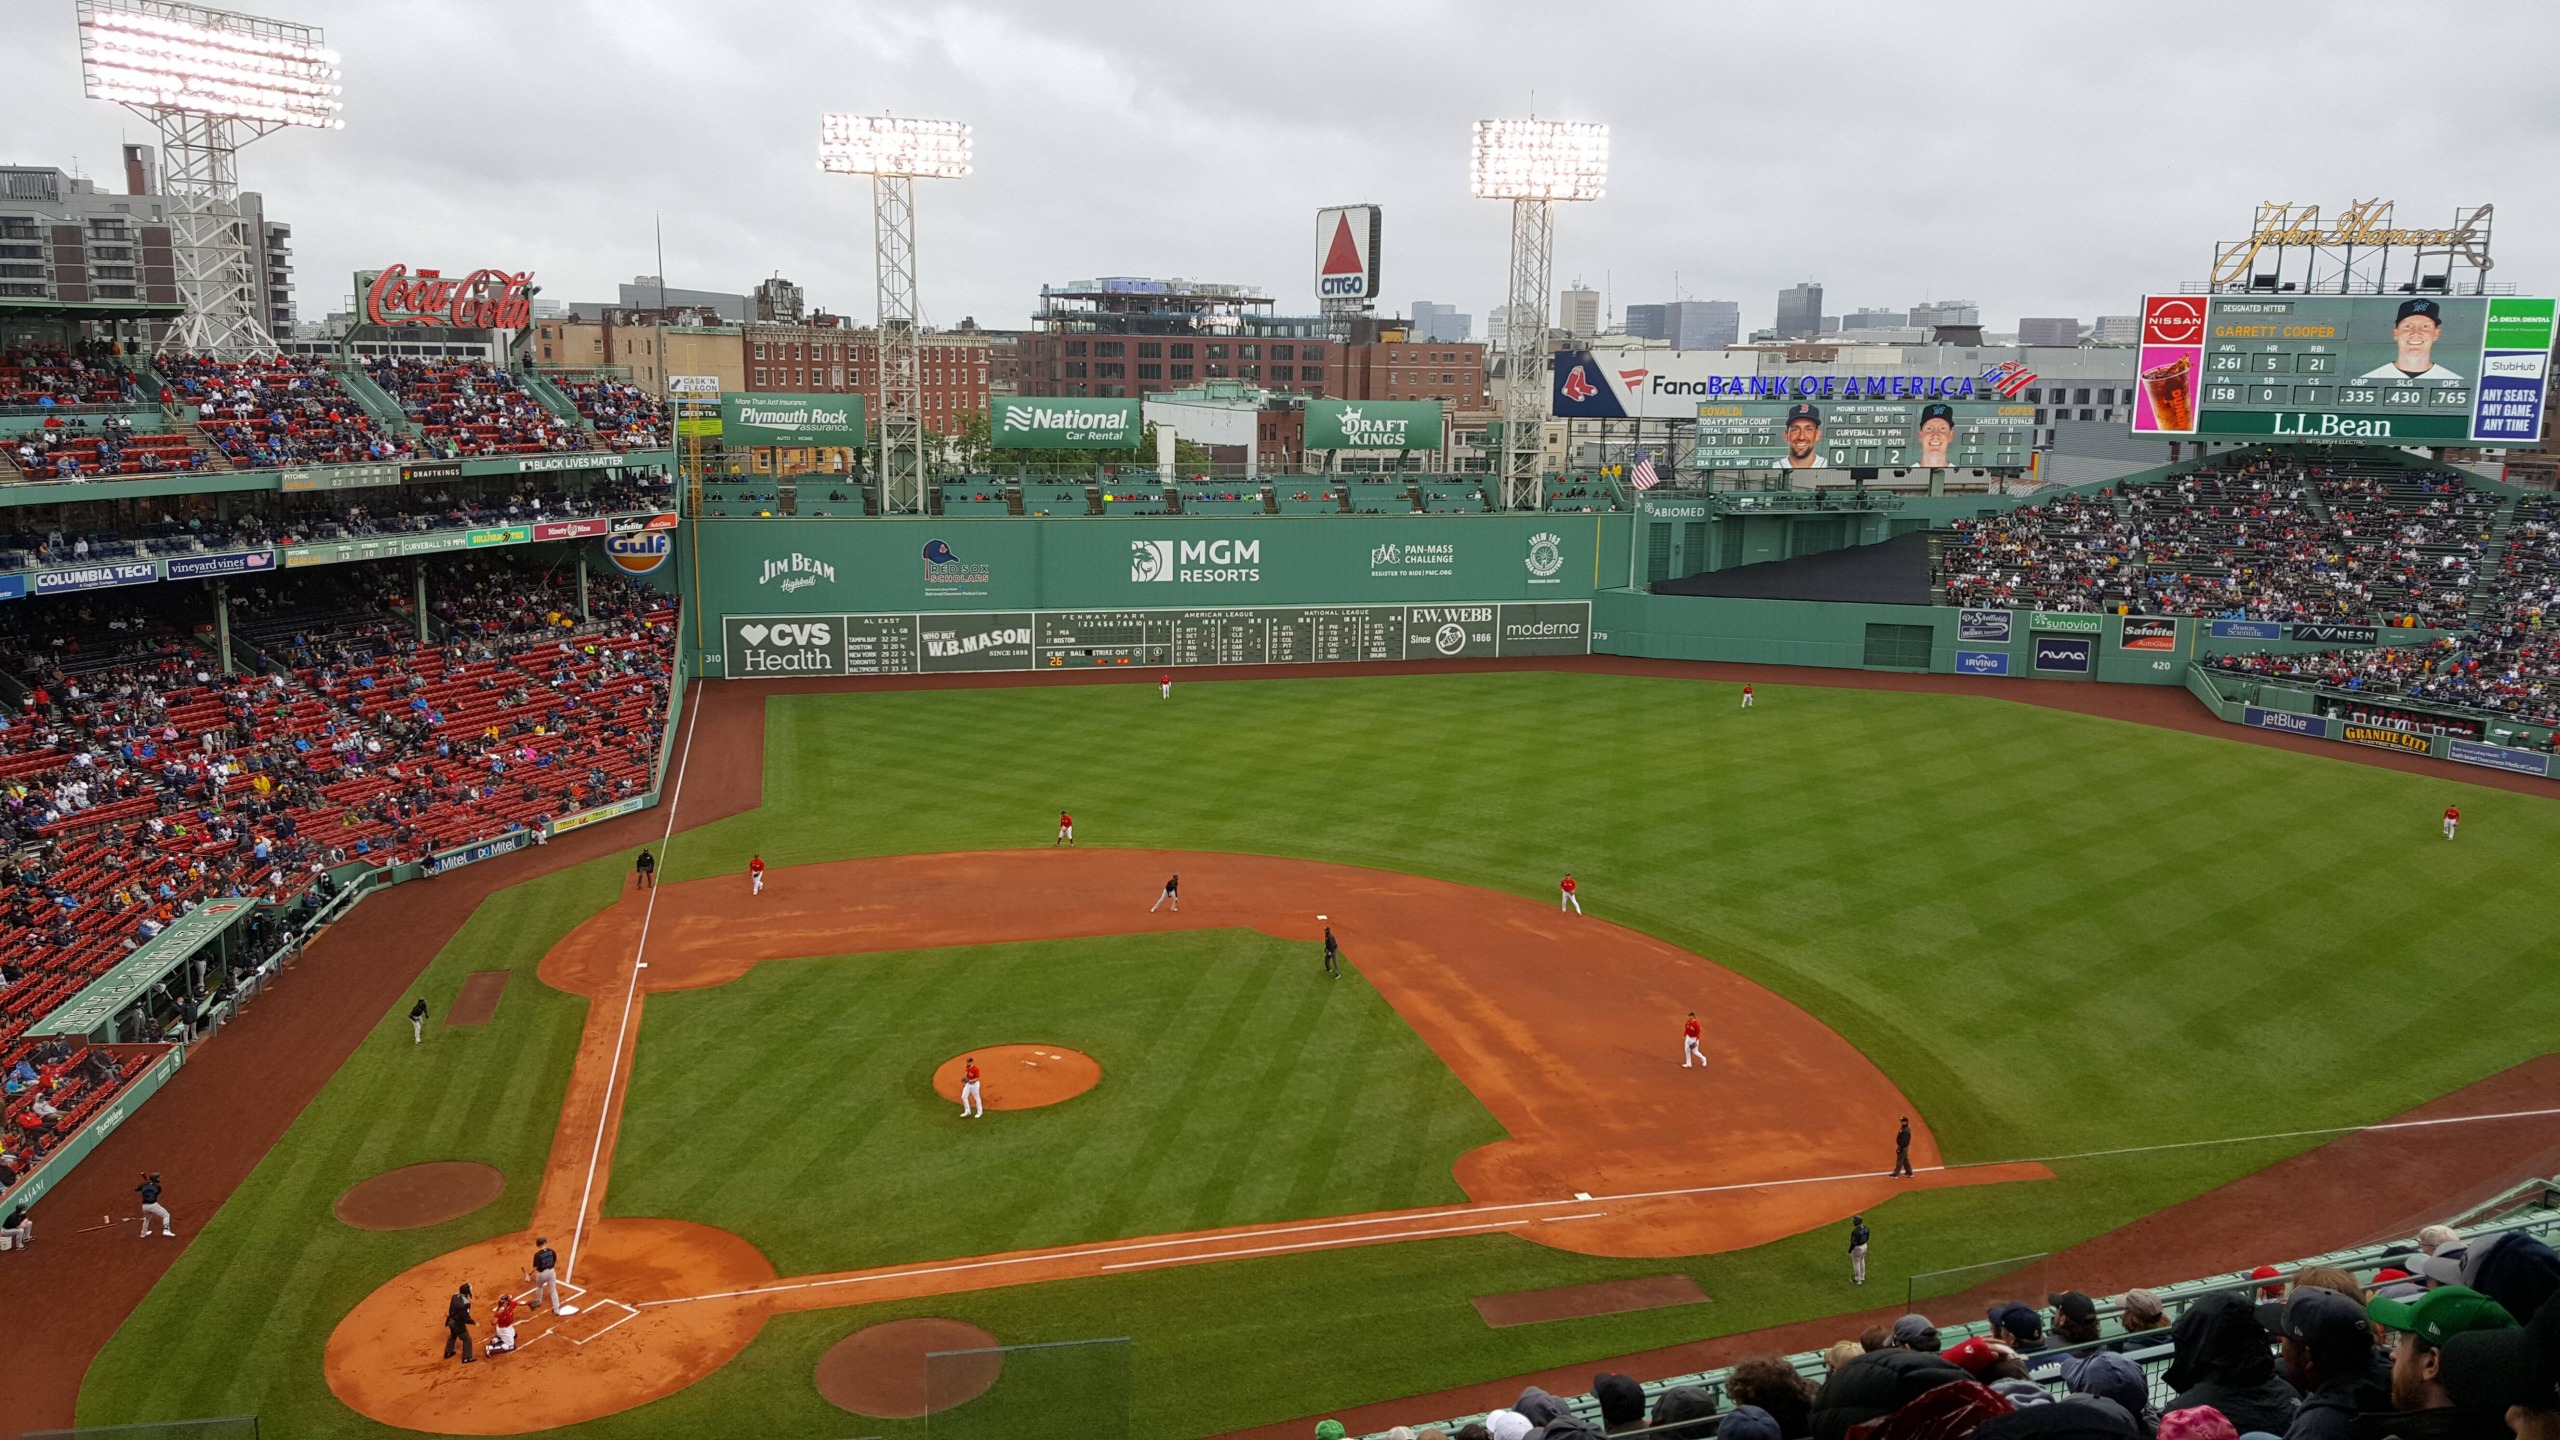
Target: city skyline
x=663, y=113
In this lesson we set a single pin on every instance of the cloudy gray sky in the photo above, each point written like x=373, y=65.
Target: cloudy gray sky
x=2043, y=159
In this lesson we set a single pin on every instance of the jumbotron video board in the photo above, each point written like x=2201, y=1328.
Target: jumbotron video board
x=2394, y=369
x=1821, y=434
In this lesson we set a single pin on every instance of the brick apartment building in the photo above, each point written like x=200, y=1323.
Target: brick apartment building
x=821, y=355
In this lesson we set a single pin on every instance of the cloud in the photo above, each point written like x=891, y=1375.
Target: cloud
x=2040, y=159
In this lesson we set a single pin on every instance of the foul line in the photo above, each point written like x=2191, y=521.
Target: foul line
x=604, y=1110
x=1087, y=1253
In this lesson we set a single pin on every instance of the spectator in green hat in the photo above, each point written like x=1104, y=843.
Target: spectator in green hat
x=2421, y=1407
x=1329, y=1430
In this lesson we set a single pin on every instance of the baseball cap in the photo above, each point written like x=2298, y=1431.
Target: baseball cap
x=2440, y=1314
x=2017, y=1319
x=1804, y=412
x=1974, y=1356
x=1916, y=1332
x=2418, y=307
x=2071, y=1305
x=1749, y=1422
x=1621, y=1398
x=2443, y=1267
x=1329, y=1430
x=2143, y=1305
x=2321, y=1319
x=2493, y=1369
x=1939, y=410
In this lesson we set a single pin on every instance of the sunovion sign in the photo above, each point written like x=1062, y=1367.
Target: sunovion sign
x=1671, y=384
x=482, y=300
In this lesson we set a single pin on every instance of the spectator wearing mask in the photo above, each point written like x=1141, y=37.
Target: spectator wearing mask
x=2422, y=1408
x=2329, y=1356
x=2223, y=1361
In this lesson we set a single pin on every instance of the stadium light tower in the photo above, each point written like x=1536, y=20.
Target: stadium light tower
x=1533, y=164
x=894, y=152
x=211, y=81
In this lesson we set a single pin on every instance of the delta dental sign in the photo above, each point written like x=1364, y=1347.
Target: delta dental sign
x=1063, y=424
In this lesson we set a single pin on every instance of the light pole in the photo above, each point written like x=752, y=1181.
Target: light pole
x=211, y=81
x=1533, y=164
x=894, y=152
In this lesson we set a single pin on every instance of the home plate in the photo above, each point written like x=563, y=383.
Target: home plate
x=602, y=1316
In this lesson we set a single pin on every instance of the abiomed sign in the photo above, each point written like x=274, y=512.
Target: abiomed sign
x=1059, y=424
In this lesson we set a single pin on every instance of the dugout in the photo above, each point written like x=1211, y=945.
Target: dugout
x=176, y=984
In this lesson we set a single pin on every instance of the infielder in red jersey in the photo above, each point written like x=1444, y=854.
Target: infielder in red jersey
x=970, y=1105
x=1066, y=830
x=1570, y=901
x=1689, y=1051
x=755, y=873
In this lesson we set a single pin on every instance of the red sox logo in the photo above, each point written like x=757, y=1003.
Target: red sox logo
x=1578, y=386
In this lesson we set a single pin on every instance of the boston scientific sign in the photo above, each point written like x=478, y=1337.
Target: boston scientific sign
x=1660, y=385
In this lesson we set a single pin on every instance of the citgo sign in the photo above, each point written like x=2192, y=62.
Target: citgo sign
x=640, y=553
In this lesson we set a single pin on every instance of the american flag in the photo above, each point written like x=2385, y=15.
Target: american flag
x=1643, y=475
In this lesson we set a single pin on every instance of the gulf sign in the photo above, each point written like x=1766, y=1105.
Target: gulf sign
x=640, y=552
x=1347, y=252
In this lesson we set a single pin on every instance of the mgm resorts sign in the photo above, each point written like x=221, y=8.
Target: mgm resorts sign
x=1065, y=424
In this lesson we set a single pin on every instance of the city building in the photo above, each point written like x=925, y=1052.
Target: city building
x=825, y=356
x=1579, y=312
x=780, y=302
x=1129, y=335
x=2048, y=330
x=1441, y=324
x=1401, y=366
x=646, y=346
x=648, y=292
x=1687, y=324
x=1929, y=314
x=1870, y=318
x=66, y=240
x=2116, y=330
x=1799, y=311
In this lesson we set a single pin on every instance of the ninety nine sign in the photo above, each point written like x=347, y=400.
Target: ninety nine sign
x=1057, y=424
x=791, y=420
x=484, y=300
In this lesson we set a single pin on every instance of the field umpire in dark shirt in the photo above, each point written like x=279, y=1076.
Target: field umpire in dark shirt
x=457, y=1323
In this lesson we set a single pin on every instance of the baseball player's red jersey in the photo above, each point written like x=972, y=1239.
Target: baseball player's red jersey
x=970, y=1072
x=755, y=867
x=505, y=1313
x=1690, y=1029
x=1568, y=885
x=1066, y=821
x=2451, y=813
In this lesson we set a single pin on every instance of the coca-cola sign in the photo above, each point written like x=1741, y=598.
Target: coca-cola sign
x=483, y=300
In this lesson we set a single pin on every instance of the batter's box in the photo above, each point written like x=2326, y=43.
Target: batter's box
x=593, y=1320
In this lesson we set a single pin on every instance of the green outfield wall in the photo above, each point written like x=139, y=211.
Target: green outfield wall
x=2139, y=650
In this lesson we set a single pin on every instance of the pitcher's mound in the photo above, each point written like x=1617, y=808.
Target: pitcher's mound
x=416, y=1196
x=881, y=1371
x=1021, y=1077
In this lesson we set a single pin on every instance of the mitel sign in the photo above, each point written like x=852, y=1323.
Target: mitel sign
x=482, y=300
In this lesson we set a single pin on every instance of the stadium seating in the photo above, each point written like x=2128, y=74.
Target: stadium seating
x=76, y=449
x=464, y=408
x=276, y=412
x=49, y=376
x=136, y=782
x=623, y=416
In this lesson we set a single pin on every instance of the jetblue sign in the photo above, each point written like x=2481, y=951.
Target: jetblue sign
x=2314, y=726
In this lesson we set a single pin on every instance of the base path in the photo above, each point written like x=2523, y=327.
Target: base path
x=1566, y=1027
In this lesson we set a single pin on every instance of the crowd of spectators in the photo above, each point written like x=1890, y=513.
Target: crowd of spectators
x=2252, y=538
x=277, y=411
x=47, y=377
x=2443, y=1339
x=624, y=416
x=136, y=781
x=72, y=448
x=469, y=407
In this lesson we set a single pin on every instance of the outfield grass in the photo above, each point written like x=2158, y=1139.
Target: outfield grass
x=2057, y=933
x=1229, y=1096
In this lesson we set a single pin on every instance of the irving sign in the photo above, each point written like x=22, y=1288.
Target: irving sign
x=484, y=300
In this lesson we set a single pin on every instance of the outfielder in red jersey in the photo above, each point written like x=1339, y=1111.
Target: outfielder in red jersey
x=1066, y=830
x=2452, y=817
x=970, y=1105
x=1167, y=684
x=1570, y=901
x=1689, y=1051
x=755, y=873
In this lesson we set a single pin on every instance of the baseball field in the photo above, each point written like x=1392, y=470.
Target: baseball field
x=2105, y=967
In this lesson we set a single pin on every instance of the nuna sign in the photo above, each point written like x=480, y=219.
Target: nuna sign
x=483, y=300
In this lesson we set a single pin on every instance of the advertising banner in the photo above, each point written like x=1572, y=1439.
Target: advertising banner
x=1373, y=425
x=245, y=562
x=761, y=421
x=95, y=577
x=2065, y=622
x=2315, y=726
x=2248, y=630
x=574, y=529
x=2499, y=757
x=1982, y=627
x=1062, y=423
x=761, y=647
x=460, y=856
x=13, y=587
x=1632, y=384
x=1821, y=434
x=999, y=641
x=2334, y=634
x=2381, y=368
x=600, y=814
x=497, y=535
x=1347, y=252
x=2064, y=654
x=1982, y=662
x=2149, y=632
x=2383, y=738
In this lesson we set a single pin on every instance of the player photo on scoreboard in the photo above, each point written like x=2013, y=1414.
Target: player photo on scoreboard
x=2423, y=335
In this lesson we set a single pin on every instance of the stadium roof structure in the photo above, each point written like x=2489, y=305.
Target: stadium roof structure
x=14, y=308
